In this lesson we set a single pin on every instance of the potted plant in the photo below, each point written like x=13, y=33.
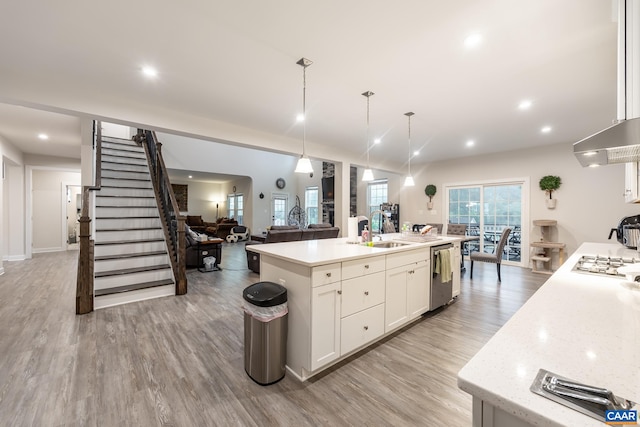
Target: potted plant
x=549, y=184
x=430, y=191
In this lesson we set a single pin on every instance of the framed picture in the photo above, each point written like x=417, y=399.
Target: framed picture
x=182, y=196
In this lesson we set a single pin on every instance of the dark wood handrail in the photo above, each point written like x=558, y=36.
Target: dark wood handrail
x=84, y=282
x=172, y=222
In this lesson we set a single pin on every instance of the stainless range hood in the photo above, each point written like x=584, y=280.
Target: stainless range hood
x=619, y=143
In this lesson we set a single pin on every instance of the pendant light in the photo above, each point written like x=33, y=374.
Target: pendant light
x=408, y=181
x=368, y=173
x=304, y=163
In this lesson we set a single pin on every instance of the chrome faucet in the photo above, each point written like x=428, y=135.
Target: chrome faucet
x=370, y=219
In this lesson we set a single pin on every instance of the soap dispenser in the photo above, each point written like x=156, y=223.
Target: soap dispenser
x=365, y=234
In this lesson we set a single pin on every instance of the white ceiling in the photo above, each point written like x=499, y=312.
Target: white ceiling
x=235, y=62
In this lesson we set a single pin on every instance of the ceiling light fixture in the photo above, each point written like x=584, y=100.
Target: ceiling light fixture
x=471, y=143
x=43, y=136
x=368, y=173
x=472, y=41
x=150, y=72
x=304, y=163
x=524, y=105
x=546, y=129
x=408, y=181
x=377, y=141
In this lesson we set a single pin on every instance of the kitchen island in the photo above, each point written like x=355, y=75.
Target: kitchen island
x=582, y=326
x=343, y=297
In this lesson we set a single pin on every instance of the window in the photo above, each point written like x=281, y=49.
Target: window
x=487, y=209
x=377, y=194
x=311, y=204
x=235, y=207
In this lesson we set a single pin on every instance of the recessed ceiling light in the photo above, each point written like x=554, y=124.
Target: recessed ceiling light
x=472, y=41
x=546, y=129
x=524, y=104
x=377, y=141
x=43, y=136
x=149, y=72
x=416, y=153
x=300, y=117
x=471, y=143
x=190, y=176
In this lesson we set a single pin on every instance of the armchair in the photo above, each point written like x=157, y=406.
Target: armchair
x=197, y=224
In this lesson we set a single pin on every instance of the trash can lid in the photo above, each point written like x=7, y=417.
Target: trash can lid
x=265, y=294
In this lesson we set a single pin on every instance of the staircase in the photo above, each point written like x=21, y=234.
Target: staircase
x=131, y=262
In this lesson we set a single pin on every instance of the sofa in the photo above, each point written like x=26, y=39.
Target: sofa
x=221, y=228
x=197, y=224
x=289, y=233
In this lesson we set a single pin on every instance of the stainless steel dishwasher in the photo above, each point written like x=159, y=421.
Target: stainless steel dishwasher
x=441, y=291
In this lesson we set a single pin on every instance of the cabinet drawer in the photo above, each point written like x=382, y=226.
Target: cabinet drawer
x=406, y=258
x=361, y=328
x=324, y=274
x=360, y=267
x=362, y=292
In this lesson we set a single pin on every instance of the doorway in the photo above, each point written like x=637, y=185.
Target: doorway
x=279, y=205
x=73, y=209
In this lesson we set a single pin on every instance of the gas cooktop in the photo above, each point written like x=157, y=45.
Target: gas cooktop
x=597, y=264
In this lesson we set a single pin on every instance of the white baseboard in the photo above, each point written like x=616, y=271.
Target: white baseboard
x=14, y=258
x=45, y=250
x=1, y=271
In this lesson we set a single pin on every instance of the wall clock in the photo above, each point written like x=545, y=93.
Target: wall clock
x=280, y=183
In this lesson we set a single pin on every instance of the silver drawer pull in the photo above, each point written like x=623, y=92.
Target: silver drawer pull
x=366, y=292
x=366, y=328
x=366, y=266
x=328, y=274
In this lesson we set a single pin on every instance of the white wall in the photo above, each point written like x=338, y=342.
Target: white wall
x=12, y=207
x=590, y=200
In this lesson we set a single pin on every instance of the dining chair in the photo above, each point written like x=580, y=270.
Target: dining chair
x=495, y=257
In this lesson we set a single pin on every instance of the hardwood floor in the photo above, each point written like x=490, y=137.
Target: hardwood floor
x=178, y=361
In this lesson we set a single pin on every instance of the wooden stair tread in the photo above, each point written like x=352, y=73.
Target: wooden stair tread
x=128, y=229
x=129, y=179
x=124, y=271
x=130, y=188
x=128, y=217
x=128, y=207
x=136, y=287
x=133, y=255
x=146, y=172
x=125, y=197
x=129, y=242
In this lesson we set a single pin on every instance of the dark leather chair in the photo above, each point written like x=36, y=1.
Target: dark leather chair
x=495, y=257
x=324, y=231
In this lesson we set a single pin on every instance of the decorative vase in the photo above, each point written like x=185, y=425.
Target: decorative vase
x=429, y=205
x=551, y=203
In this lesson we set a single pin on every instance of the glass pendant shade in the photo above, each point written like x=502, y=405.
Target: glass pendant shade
x=367, y=175
x=304, y=165
x=409, y=182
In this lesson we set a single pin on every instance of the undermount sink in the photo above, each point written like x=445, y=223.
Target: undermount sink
x=387, y=244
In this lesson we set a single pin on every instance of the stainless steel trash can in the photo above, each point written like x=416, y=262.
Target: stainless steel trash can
x=265, y=332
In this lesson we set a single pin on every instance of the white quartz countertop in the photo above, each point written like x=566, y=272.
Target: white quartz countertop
x=581, y=326
x=312, y=253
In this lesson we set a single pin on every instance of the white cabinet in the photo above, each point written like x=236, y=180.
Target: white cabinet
x=325, y=324
x=407, y=287
x=631, y=177
x=457, y=263
x=361, y=328
x=418, y=288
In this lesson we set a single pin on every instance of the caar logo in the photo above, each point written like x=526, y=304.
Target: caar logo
x=621, y=417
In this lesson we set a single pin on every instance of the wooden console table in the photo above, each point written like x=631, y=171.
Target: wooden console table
x=542, y=258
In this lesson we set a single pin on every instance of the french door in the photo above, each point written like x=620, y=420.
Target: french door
x=279, y=205
x=487, y=209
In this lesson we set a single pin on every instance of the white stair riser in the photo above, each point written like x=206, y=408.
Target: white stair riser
x=112, y=191
x=125, y=167
x=126, y=212
x=122, y=161
x=125, y=201
x=131, y=279
x=133, y=296
x=128, y=152
x=130, y=142
x=126, y=183
x=106, y=250
x=126, y=175
x=114, y=236
x=128, y=222
x=140, y=261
